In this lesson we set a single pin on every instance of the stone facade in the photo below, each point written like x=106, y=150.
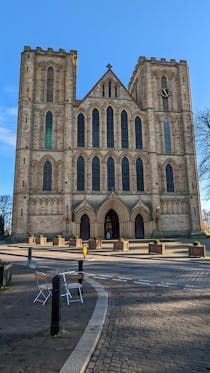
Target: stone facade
x=120, y=160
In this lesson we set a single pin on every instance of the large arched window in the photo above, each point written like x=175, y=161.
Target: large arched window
x=125, y=174
x=164, y=93
x=81, y=130
x=50, y=84
x=167, y=135
x=110, y=174
x=139, y=175
x=138, y=133
x=110, y=127
x=169, y=179
x=48, y=130
x=80, y=174
x=124, y=129
x=96, y=174
x=47, y=177
x=95, y=129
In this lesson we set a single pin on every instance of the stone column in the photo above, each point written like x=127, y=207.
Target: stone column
x=68, y=126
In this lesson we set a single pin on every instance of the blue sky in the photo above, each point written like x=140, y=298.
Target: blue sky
x=102, y=31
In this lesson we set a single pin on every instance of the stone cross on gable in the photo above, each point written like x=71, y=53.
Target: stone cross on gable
x=109, y=66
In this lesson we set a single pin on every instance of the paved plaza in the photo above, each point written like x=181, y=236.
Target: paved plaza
x=157, y=320
x=153, y=329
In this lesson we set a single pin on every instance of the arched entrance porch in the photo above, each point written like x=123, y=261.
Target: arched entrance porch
x=111, y=225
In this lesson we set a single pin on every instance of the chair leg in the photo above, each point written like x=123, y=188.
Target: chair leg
x=68, y=296
x=80, y=293
x=37, y=297
x=46, y=297
x=43, y=303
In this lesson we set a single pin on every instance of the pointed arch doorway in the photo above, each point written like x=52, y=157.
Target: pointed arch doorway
x=139, y=226
x=85, y=227
x=111, y=225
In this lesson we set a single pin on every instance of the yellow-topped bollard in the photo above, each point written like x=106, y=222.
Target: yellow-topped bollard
x=84, y=251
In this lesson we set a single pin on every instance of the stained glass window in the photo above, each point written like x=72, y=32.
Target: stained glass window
x=139, y=175
x=80, y=130
x=138, y=133
x=110, y=174
x=48, y=130
x=169, y=178
x=47, y=177
x=125, y=175
x=95, y=128
x=80, y=174
x=96, y=174
x=110, y=127
x=124, y=129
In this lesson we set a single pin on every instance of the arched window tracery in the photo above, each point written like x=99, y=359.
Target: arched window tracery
x=125, y=175
x=110, y=174
x=96, y=174
x=81, y=130
x=124, y=129
x=95, y=129
x=138, y=132
x=80, y=174
x=48, y=130
x=50, y=84
x=47, y=176
x=139, y=175
x=169, y=178
x=110, y=127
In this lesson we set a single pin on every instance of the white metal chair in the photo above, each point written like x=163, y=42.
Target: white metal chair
x=71, y=282
x=45, y=289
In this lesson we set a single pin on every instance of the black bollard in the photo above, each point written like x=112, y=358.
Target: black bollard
x=80, y=270
x=55, y=313
x=80, y=266
x=1, y=276
x=29, y=253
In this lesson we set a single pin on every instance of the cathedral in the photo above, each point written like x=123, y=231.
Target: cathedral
x=118, y=163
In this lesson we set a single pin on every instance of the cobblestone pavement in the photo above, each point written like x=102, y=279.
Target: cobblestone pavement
x=171, y=277
x=154, y=330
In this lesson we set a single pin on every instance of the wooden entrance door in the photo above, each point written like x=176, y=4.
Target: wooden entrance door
x=85, y=227
x=111, y=225
x=139, y=227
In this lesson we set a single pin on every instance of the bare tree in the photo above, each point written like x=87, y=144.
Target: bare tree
x=6, y=211
x=202, y=137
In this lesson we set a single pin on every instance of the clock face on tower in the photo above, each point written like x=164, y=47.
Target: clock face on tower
x=164, y=92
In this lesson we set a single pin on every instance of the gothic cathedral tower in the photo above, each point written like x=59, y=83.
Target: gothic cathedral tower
x=162, y=90
x=46, y=100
